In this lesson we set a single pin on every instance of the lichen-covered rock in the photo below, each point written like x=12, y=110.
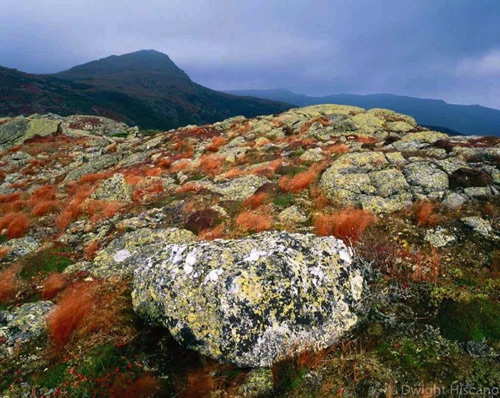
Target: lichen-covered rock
x=97, y=165
x=258, y=383
x=42, y=126
x=424, y=136
x=479, y=225
x=292, y=215
x=312, y=155
x=366, y=180
x=425, y=176
x=114, y=188
x=17, y=248
x=124, y=254
x=251, y=301
x=23, y=324
x=438, y=237
x=12, y=131
x=237, y=189
x=454, y=200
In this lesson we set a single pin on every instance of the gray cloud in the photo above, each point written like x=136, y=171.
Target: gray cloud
x=446, y=49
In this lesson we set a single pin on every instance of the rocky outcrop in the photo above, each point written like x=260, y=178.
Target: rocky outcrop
x=17, y=130
x=251, y=301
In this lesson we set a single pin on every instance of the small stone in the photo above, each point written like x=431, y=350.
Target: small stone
x=454, y=200
x=292, y=215
x=114, y=189
x=258, y=383
x=479, y=225
x=312, y=155
x=438, y=237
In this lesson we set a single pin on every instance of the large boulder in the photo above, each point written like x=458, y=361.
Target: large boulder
x=251, y=301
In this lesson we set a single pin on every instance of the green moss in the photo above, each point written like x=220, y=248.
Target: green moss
x=289, y=376
x=297, y=153
x=120, y=135
x=3, y=238
x=52, y=377
x=471, y=321
x=53, y=259
x=100, y=360
x=291, y=170
x=283, y=200
x=196, y=177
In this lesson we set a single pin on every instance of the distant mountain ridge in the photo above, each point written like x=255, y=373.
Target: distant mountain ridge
x=464, y=119
x=144, y=88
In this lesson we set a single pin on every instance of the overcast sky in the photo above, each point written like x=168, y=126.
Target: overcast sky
x=448, y=49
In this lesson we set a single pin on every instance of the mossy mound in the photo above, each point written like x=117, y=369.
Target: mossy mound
x=471, y=321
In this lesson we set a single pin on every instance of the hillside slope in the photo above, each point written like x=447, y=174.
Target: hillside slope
x=325, y=249
x=144, y=88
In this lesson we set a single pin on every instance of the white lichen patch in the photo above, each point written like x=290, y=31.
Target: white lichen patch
x=121, y=255
x=213, y=275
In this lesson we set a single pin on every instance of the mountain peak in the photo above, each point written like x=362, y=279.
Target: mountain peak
x=138, y=61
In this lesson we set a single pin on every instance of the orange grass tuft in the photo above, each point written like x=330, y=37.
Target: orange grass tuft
x=11, y=197
x=180, y=165
x=256, y=200
x=337, y=148
x=72, y=210
x=90, y=250
x=91, y=178
x=298, y=182
x=216, y=143
x=8, y=282
x=45, y=193
x=70, y=313
x=155, y=172
x=200, y=383
x=251, y=221
x=213, y=233
x=53, y=285
x=425, y=216
x=133, y=179
x=44, y=207
x=269, y=169
x=365, y=140
x=16, y=224
x=86, y=308
x=211, y=165
x=347, y=224
x=165, y=163
x=190, y=186
x=319, y=198
x=4, y=251
x=234, y=173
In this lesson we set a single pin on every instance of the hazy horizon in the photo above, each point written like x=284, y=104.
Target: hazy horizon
x=429, y=49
